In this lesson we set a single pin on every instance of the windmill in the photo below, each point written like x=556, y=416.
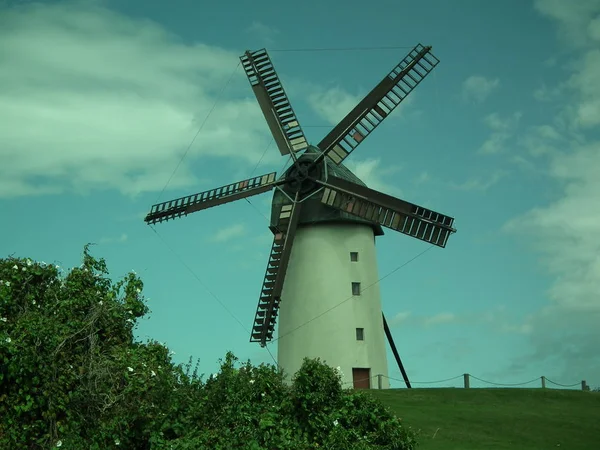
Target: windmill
x=324, y=221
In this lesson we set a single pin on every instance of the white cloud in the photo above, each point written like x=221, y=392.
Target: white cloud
x=498, y=319
x=333, y=104
x=263, y=32
x=502, y=130
x=90, y=99
x=586, y=84
x=439, y=319
x=565, y=230
x=399, y=318
x=373, y=175
x=423, y=177
x=479, y=183
x=113, y=240
x=478, y=88
x=546, y=94
x=541, y=140
x=578, y=21
x=229, y=233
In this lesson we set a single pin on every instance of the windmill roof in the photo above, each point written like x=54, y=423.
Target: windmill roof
x=313, y=211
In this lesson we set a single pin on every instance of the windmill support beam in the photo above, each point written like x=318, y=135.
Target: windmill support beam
x=390, y=339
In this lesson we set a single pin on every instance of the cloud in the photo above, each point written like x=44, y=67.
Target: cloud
x=480, y=184
x=478, y=88
x=427, y=321
x=439, y=319
x=423, y=177
x=542, y=140
x=333, y=104
x=113, y=240
x=585, y=84
x=373, y=175
x=578, y=22
x=498, y=319
x=91, y=99
x=546, y=94
x=565, y=230
x=229, y=233
x=502, y=130
x=262, y=31
x=399, y=318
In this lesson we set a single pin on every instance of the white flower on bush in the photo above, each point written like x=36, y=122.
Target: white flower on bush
x=213, y=376
x=152, y=373
x=335, y=423
x=23, y=268
x=138, y=290
x=16, y=267
x=7, y=283
x=100, y=302
x=130, y=320
x=3, y=319
x=29, y=263
x=58, y=443
x=117, y=442
x=251, y=381
x=263, y=394
x=33, y=302
x=8, y=340
x=130, y=369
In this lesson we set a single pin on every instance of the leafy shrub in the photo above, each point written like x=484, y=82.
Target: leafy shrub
x=72, y=376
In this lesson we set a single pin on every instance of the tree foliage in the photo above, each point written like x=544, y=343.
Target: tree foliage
x=73, y=376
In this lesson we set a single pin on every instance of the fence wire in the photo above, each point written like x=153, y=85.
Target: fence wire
x=492, y=383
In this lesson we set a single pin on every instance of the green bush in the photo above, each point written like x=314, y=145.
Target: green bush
x=72, y=376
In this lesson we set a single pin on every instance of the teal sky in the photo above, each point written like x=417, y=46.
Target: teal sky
x=99, y=102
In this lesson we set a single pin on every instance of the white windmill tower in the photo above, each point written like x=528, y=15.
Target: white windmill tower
x=324, y=221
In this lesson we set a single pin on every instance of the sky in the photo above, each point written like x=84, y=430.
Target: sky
x=107, y=107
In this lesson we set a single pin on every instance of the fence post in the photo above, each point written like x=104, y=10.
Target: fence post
x=543, y=382
x=584, y=386
x=379, y=381
x=466, y=377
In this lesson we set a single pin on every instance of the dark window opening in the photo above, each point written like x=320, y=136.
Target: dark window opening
x=355, y=288
x=354, y=256
x=360, y=334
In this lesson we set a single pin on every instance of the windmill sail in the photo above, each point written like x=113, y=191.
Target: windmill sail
x=270, y=296
x=213, y=197
x=274, y=102
x=378, y=104
x=391, y=212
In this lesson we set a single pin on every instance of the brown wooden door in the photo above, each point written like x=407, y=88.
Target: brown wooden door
x=361, y=378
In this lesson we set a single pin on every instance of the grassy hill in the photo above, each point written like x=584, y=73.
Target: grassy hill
x=477, y=419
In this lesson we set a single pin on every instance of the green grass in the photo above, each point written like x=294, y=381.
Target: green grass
x=477, y=419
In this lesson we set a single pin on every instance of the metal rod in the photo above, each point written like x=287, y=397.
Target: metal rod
x=395, y=351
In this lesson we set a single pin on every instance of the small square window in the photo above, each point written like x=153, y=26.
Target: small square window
x=355, y=288
x=360, y=334
x=354, y=256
